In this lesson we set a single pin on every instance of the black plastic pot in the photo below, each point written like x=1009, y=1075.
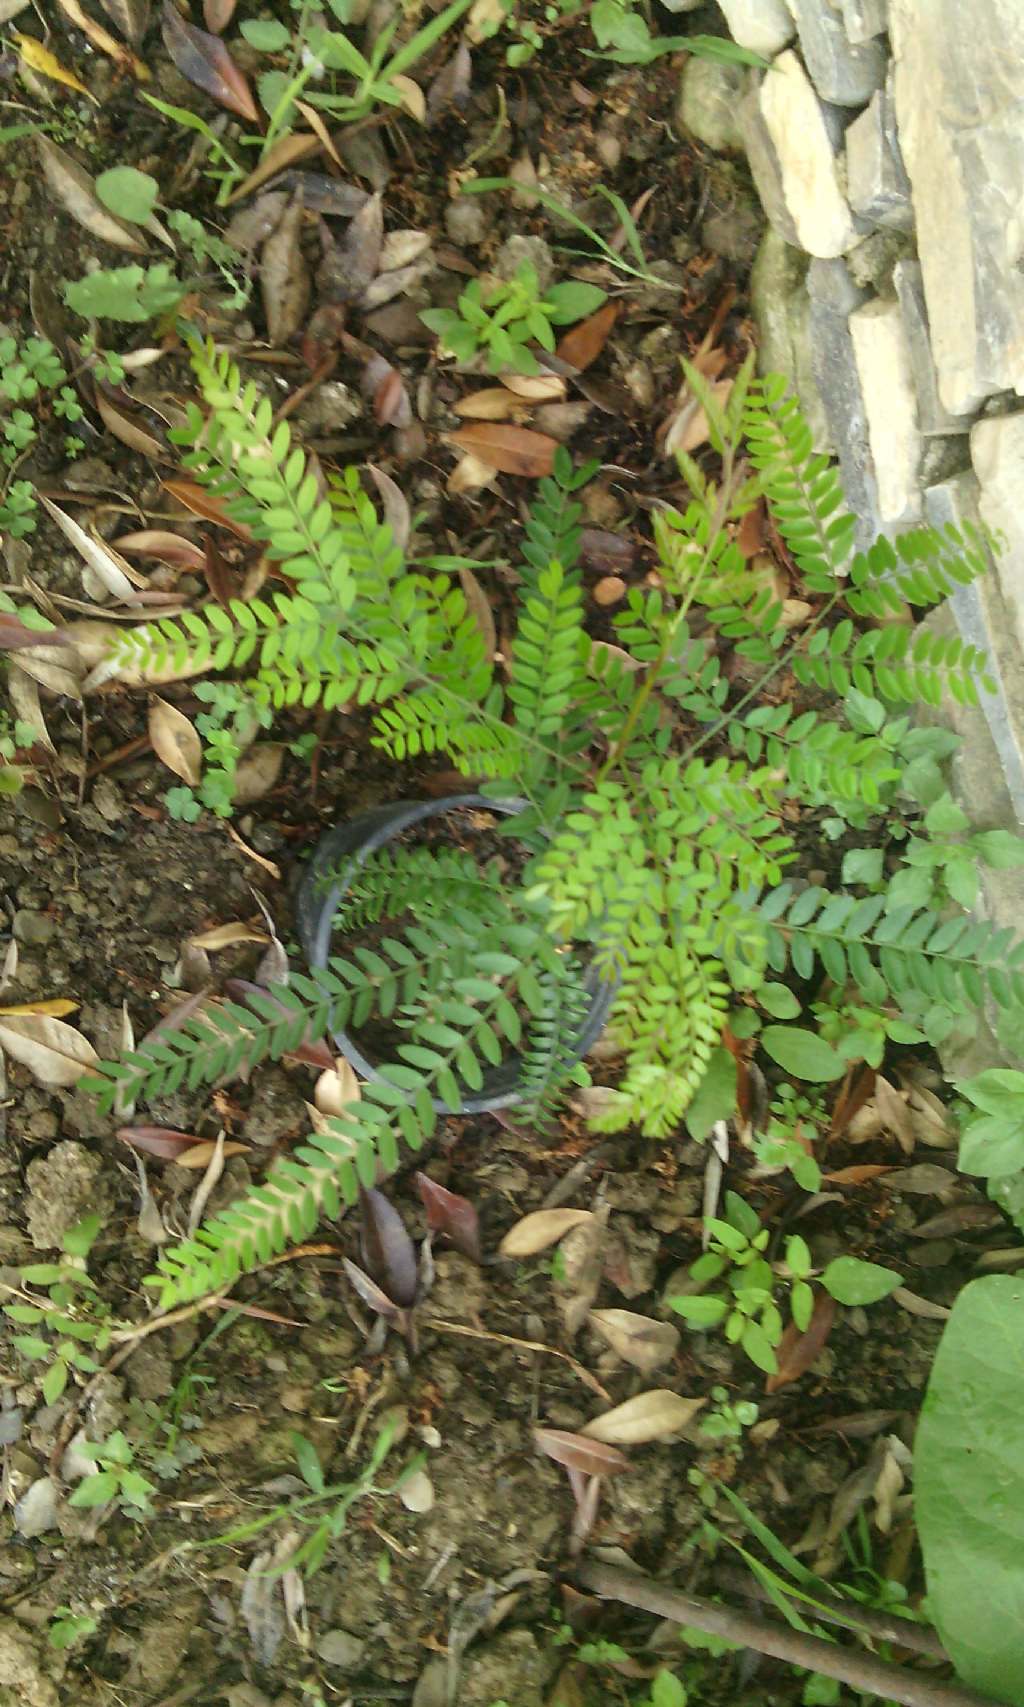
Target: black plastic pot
x=365, y=834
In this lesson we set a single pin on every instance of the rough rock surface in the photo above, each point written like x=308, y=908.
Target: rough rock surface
x=882, y=355
x=764, y=26
x=841, y=72
x=959, y=90
x=792, y=140
x=782, y=309
x=709, y=97
x=63, y=1187
x=877, y=185
x=997, y=451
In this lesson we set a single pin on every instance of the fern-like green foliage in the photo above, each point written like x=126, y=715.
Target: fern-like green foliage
x=660, y=796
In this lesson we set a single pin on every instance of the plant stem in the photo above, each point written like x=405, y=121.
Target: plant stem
x=859, y=1671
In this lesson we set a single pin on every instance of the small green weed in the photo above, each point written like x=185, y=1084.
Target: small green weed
x=29, y=372
x=72, y=1322
x=499, y=318
x=68, y=1627
x=116, y=1479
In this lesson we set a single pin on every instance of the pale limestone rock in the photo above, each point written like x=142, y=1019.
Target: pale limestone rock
x=791, y=141
x=959, y=89
x=877, y=186
x=932, y=416
x=782, y=309
x=765, y=26
x=709, y=98
x=842, y=73
x=997, y=451
x=887, y=386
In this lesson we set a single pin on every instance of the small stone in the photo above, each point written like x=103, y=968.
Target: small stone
x=877, y=185
x=36, y=1511
x=22, y=1678
x=887, y=387
x=33, y=928
x=709, y=97
x=842, y=73
x=609, y=149
x=533, y=252
x=340, y=1648
x=609, y=590
x=108, y=800
x=791, y=141
x=331, y=407
x=765, y=26
x=873, y=260
x=63, y=1187
x=465, y=221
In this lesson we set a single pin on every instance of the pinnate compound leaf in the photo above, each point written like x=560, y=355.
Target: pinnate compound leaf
x=969, y=1486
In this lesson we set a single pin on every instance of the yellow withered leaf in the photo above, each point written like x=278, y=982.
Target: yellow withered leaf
x=36, y=57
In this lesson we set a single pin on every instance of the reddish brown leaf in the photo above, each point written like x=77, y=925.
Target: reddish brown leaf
x=371, y=1294
x=217, y=14
x=388, y=1252
x=218, y=578
x=797, y=1351
x=856, y=1175
x=325, y=331
x=14, y=634
x=391, y=406
x=584, y=343
x=202, y=503
x=452, y=1215
x=170, y=548
x=857, y=1089
x=576, y=1452
x=511, y=450
x=205, y=61
x=160, y=1141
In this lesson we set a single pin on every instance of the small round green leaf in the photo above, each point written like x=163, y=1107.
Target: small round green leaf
x=779, y=1001
x=851, y=1281
x=129, y=193
x=699, y=1311
x=803, y=1054
x=266, y=35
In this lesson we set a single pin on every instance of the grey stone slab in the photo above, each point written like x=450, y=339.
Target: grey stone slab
x=863, y=19
x=877, y=185
x=782, y=310
x=708, y=104
x=843, y=73
x=890, y=407
x=959, y=90
x=833, y=296
x=933, y=416
x=997, y=452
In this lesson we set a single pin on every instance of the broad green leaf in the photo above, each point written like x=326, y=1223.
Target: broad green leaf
x=700, y=1311
x=1000, y=849
x=851, y=1281
x=267, y=35
x=779, y=1001
x=129, y=193
x=572, y=300
x=95, y=1490
x=992, y=1146
x=863, y=865
x=969, y=1486
x=802, y=1053
x=715, y=1097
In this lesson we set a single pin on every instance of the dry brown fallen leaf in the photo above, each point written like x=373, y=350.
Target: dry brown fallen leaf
x=798, y=1350
x=225, y=936
x=511, y=450
x=74, y=189
x=257, y=773
x=336, y=1087
x=170, y=548
x=640, y=1340
x=175, y=742
x=130, y=16
x=204, y=60
x=544, y=1227
x=577, y=1452
x=494, y=403
x=99, y=557
x=348, y=266
x=284, y=277
x=583, y=343
x=287, y=150
x=126, y=428
x=535, y=387
x=480, y=609
x=470, y=475
x=53, y=1052
x=657, y=1415
x=24, y=694
x=104, y=41
x=191, y=496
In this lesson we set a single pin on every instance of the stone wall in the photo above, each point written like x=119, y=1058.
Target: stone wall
x=886, y=142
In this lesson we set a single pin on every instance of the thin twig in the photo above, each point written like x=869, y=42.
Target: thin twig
x=859, y=1670
x=584, y=1375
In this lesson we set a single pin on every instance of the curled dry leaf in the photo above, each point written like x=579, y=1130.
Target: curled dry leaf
x=170, y=548
x=193, y=497
x=257, y=773
x=470, y=475
x=798, y=1351
x=372, y=1295
x=54, y=1053
x=389, y=1254
x=640, y=1340
x=99, y=557
x=538, y=1231
x=284, y=278
x=336, y=1087
x=452, y=1215
x=34, y=57
x=75, y=191
x=401, y=248
x=126, y=428
x=168, y=1145
x=395, y=505
x=248, y=228
x=130, y=16
x=578, y=1452
x=511, y=450
x=657, y=1415
x=411, y=96
x=58, y=668
x=494, y=403
x=480, y=609
x=204, y=60
x=348, y=266
x=688, y=427
x=105, y=42
x=535, y=387
x=225, y=936
x=175, y=742
x=24, y=694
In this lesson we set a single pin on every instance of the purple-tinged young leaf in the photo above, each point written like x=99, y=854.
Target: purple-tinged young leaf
x=205, y=61
x=388, y=1251
x=370, y=1292
x=452, y=1215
